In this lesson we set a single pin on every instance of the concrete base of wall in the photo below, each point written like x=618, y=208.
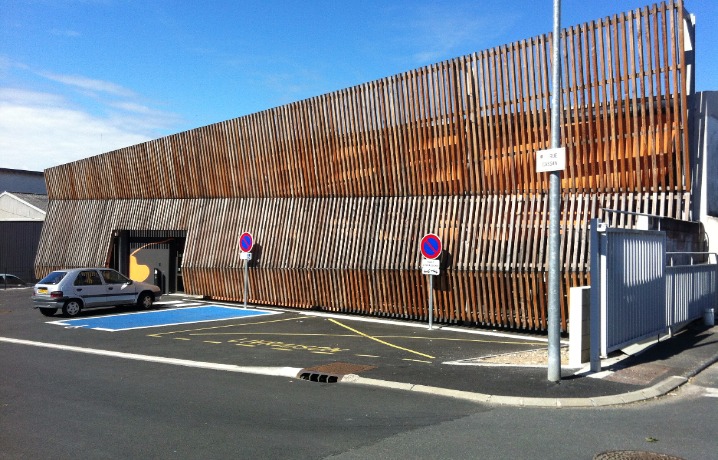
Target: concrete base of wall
x=579, y=333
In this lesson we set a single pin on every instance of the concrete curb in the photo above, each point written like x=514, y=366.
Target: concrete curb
x=659, y=389
x=656, y=390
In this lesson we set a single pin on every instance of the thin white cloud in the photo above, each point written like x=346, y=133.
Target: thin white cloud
x=70, y=118
x=20, y=97
x=39, y=130
x=7, y=65
x=134, y=107
x=438, y=32
x=143, y=117
x=89, y=84
x=35, y=136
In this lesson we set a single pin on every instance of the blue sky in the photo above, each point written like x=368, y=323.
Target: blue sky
x=83, y=77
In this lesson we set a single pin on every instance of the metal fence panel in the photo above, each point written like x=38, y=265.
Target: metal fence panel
x=635, y=287
x=690, y=289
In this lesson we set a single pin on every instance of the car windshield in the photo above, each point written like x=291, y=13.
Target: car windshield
x=53, y=278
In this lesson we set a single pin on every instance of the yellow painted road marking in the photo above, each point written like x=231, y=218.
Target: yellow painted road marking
x=182, y=338
x=380, y=341
x=210, y=341
x=227, y=325
x=405, y=337
x=288, y=334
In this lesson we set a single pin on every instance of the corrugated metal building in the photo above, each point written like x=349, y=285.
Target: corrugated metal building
x=21, y=181
x=21, y=219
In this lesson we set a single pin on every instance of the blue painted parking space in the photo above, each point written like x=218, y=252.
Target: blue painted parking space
x=158, y=318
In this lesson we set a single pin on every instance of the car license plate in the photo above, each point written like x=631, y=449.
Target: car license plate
x=42, y=290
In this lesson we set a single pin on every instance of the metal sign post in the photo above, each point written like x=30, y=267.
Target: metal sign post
x=246, y=242
x=432, y=268
x=246, y=256
x=554, y=273
x=431, y=301
x=431, y=248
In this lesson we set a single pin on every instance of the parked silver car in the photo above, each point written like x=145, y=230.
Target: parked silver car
x=83, y=288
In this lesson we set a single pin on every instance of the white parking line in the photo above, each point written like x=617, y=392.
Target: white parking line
x=181, y=304
x=289, y=372
x=178, y=303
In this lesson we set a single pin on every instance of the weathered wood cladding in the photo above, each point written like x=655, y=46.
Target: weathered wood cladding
x=361, y=254
x=338, y=189
x=470, y=125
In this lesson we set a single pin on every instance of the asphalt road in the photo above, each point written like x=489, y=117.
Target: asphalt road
x=62, y=404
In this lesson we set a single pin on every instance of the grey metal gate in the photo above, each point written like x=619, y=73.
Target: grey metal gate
x=635, y=294
x=630, y=291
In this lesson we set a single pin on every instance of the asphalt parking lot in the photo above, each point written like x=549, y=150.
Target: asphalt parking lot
x=263, y=336
x=327, y=348
x=278, y=336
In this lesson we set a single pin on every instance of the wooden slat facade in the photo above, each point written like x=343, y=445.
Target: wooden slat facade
x=338, y=189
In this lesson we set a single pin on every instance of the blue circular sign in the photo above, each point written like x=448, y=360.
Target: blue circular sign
x=431, y=246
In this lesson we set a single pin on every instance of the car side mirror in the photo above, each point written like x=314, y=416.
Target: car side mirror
x=129, y=282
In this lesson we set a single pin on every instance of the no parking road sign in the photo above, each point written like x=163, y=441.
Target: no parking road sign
x=431, y=246
x=246, y=241
x=431, y=249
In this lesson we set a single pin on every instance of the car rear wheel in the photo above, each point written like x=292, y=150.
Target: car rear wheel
x=71, y=308
x=145, y=301
x=48, y=311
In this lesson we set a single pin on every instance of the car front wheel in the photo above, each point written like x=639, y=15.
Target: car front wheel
x=71, y=308
x=48, y=311
x=145, y=301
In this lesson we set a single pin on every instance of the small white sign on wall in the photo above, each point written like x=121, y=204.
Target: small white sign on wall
x=551, y=160
x=430, y=267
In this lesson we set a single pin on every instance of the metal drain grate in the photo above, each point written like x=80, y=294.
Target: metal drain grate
x=331, y=373
x=319, y=377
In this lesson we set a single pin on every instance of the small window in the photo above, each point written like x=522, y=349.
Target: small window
x=112, y=277
x=88, y=278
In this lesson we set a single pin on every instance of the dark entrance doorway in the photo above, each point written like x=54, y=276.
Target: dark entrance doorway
x=151, y=256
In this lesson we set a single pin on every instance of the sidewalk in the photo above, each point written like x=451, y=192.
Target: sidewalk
x=653, y=372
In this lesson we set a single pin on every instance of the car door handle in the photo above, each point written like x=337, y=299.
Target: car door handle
x=109, y=288
x=79, y=289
